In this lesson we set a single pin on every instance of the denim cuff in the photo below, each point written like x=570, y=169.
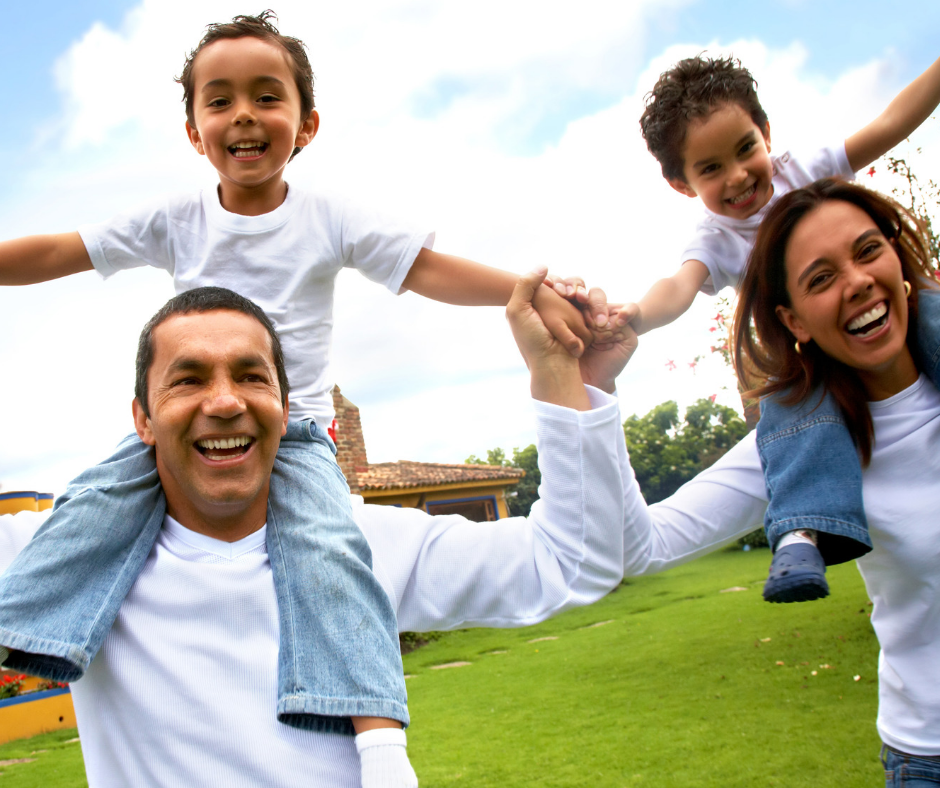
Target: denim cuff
x=332, y=715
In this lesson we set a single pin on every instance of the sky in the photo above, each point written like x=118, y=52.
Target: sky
x=509, y=127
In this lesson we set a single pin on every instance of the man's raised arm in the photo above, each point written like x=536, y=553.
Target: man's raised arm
x=446, y=572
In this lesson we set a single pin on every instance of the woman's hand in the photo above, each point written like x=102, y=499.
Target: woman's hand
x=605, y=359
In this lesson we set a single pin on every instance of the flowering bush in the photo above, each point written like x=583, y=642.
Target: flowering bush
x=11, y=686
x=50, y=685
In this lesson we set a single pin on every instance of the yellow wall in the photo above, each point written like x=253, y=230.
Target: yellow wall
x=33, y=717
x=24, y=501
x=417, y=497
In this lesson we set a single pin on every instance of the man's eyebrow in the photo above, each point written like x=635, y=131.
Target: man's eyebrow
x=185, y=365
x=222, y=82
x=249, y=362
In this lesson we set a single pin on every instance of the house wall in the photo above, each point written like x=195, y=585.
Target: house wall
x=418, y=498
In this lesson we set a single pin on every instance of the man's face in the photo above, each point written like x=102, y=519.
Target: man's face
x=216, y=420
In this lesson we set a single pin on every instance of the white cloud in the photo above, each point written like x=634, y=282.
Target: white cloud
x=434, y=382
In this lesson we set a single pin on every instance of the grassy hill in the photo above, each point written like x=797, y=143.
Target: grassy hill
x=666, y=682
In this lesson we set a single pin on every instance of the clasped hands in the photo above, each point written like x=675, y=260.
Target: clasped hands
x=558, y=374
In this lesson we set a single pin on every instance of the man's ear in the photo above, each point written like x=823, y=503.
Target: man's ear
x=766, y=132
x=681, y=186
x=142, y=424
x=308, y=130
x=284, y=423
x=793, y=324
x=195, y=139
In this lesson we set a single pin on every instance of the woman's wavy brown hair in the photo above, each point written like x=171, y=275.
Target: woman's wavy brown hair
x=765, y=358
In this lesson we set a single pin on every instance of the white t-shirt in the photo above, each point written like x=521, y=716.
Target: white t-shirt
x=900, y=488
x=184, y=689
x=723, y=243
x=285, y=261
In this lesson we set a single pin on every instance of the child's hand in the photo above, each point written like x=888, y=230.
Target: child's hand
x=593, y=302
x=628, y=313
x=564, y=319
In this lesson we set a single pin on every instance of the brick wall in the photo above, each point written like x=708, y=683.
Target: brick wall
x=350, y=445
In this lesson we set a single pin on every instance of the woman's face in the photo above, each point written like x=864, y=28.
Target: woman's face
x=847, y=295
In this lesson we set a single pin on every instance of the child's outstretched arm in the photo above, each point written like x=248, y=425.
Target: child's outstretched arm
x=911, y=107
x=668, y=299
x=454, y=280
x=39, y=258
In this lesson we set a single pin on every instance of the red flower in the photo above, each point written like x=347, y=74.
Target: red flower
x=712, y=397
x=871, y=171
x=670, y=365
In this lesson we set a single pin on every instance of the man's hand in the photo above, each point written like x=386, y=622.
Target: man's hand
x=556, y=377
x=604, y=360
x=563, y=319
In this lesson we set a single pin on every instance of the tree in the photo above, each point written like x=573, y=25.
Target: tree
x=666, y=452
x=526, y=492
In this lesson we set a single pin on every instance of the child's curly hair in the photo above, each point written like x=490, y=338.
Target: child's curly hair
x=693, y=88
x=255, y=27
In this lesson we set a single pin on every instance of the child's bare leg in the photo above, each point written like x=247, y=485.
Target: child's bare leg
x=384, y=760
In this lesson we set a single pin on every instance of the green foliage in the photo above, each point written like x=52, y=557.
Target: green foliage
x=921, y=199
x=666, y=452
x=526, y=492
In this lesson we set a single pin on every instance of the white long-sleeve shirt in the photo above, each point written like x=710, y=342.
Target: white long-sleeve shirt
x=183, y=691
x=901, y=490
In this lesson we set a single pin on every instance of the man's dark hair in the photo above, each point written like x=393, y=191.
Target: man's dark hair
x=253, y=27
x=694, y=88
x=203, y=299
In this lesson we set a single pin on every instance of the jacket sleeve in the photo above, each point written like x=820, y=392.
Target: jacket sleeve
x=445, y=572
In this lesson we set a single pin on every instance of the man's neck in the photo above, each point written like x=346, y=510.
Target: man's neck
x=226, y=526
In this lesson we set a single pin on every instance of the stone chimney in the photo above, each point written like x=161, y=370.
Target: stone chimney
x=350, y=445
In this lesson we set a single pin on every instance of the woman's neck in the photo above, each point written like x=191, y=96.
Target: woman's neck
x=892, y=379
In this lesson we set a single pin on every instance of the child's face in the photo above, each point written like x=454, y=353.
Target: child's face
x=727, y=163
x=246, y=108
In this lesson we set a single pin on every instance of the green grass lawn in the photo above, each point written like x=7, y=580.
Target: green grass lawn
x=53, y=759
x=680, y=688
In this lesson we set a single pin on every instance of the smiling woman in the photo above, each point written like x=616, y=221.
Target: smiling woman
x=838, y=297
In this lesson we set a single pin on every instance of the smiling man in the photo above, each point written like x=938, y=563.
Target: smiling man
x=210, y=397
x=182, y=691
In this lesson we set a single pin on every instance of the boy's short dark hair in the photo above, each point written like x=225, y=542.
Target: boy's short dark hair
x=254, y=27
x=694, y=88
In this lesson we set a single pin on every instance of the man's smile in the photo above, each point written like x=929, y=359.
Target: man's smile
x=217, y=449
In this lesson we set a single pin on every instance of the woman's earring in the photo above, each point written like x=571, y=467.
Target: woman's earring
x=796, y=347
x=907, y=288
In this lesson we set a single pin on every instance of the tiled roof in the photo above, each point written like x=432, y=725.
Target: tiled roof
x=405, y=473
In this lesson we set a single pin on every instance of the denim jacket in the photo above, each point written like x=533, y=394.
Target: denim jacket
x=811, y=465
